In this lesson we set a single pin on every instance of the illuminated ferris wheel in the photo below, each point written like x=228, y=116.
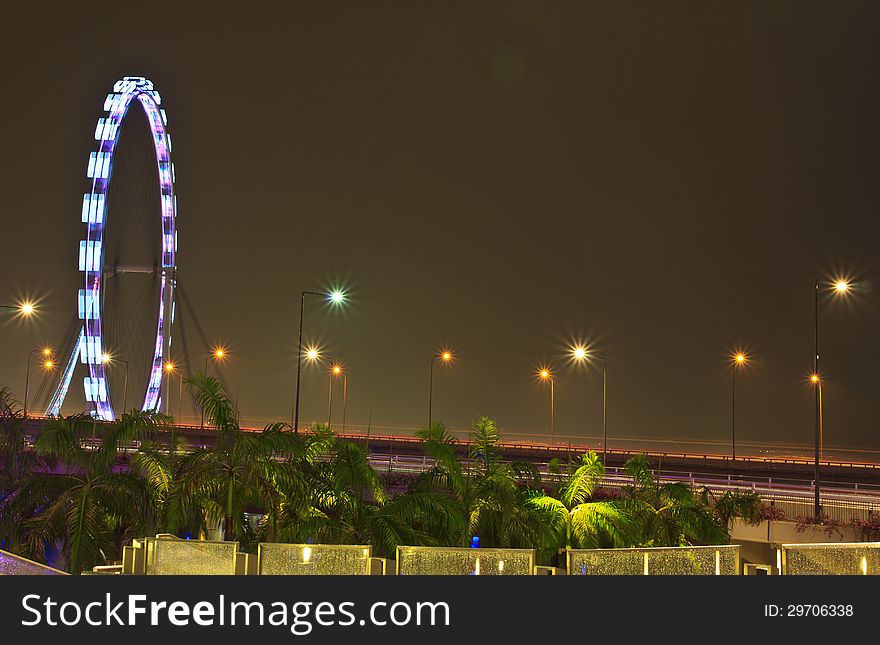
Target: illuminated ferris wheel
x=100, y=266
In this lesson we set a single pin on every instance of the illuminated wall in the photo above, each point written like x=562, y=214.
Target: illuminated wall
x=169, y=556
x=313, y=559
x=14, y=565
x=658, y=561
x=859, y=558
x=447, y=561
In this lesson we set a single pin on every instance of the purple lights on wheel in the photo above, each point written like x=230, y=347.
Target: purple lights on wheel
x=126, y=92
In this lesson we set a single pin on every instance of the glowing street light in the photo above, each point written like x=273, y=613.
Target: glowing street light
x=170, y=369
x=312, y=354
x=25, y=308
x=445, y=357
x=840, y=287
x=336, y=298
x=816, y=381
x=48, y=364
x=336, y=371
x=545, y=374
x=580, y=354
x=738, y=360
x=218, y=354
x=109, y=359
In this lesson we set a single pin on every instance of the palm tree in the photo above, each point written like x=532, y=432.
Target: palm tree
x=576, y=518
x=733, y=503
x=350, y=506
x=244, y=471
x=489, y=494
x=78, y=498
x=18, y=461
x=668, y=514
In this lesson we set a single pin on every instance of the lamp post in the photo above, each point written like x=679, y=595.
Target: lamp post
x=218, y=354
x=335, y=297
x=335, y=372
x=546, y=375
x=840, y=287
x=344, y=399
x=108, y=359
x=170, y=368
x=47, y=363
x=580, y=354
x=738, y=360
x=446, y=357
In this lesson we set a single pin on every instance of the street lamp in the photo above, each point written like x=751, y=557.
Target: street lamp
x=107, y=359
x=170, y=368
x=816, y=382
x=839, y=287
x=546, y=375
x=47, y=363
x=335, y=372
x=336, y=298
x=218, y=355
x=581, y=354
x=445, y=357
x=738, y=360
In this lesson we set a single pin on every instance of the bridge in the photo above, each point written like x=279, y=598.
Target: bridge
x=849, y=488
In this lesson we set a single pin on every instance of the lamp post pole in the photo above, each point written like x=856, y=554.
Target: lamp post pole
x=330, y=401
x=446, y=357
x=604, y=409
x=739, y=359
x=202, y=422
x=334, y=297
x=817, y=403
x=552, y=409
x=733, y=412
x=430, y=389
x=344, y=399
x=27, y=378
x=580, y=354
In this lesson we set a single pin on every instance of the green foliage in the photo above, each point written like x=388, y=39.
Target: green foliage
x=277, y=485
x=732, y=503
x=83, y=504
x=579, y=521
x=668, y=514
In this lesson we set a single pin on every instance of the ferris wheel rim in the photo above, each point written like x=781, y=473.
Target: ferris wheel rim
x=91, y=257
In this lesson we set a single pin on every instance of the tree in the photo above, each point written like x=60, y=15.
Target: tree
x=244, y=471
x=668, y=514
x=18, y=462
x=349, y=505
x=487, y=492
x=579, y=521
x=733, y=503
x=78, y=499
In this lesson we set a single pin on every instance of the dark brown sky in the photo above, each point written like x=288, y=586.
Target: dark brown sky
x=664, y=179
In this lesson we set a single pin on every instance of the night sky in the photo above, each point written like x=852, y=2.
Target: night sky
x=662, y=180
